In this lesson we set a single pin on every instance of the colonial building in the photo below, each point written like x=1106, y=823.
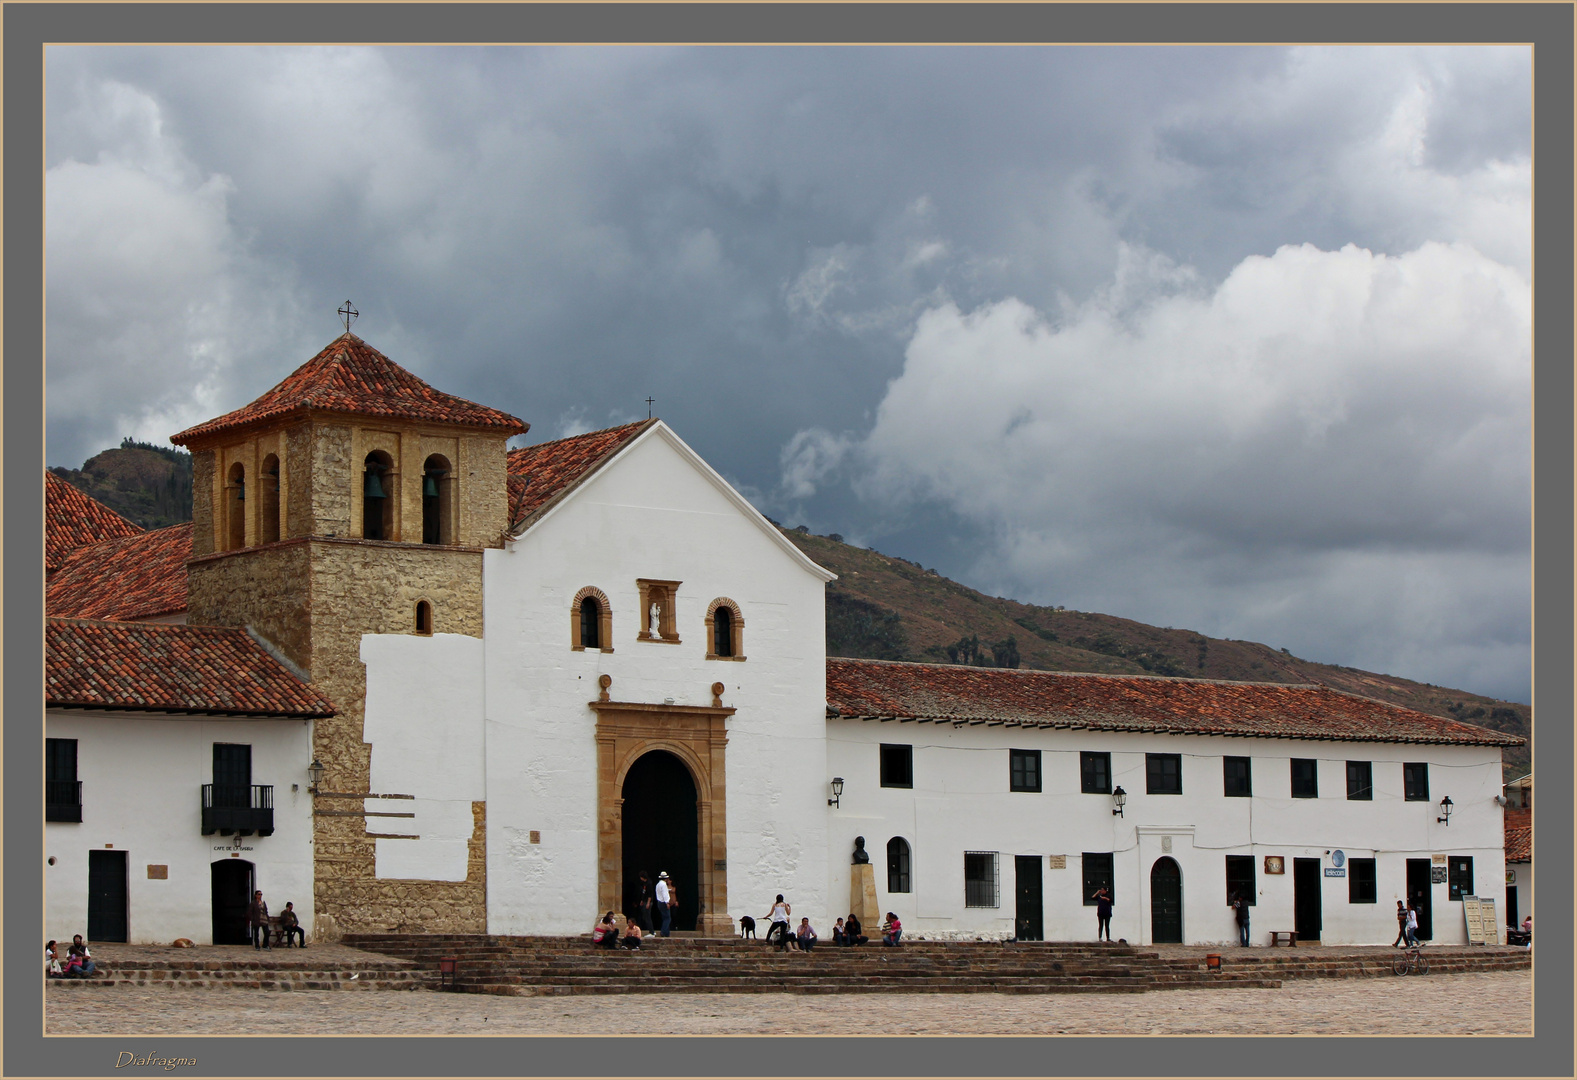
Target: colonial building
x=551, y=669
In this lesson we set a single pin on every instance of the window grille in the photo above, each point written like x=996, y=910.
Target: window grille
x=1360, y=780
x=1163, y=774
x=1240, y=878
x=1024, y=770
x=1415, y=781
x=1098, y=875
x=1095, y=773
x=1236, y=777
x=1460, y=877
x=1361, y=882
x=1305, y=778
x=980, y=879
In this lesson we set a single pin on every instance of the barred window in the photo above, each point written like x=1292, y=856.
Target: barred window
x=1240, y=878
x=1460, y=877
x=980, y=879
x=1024, y=770
x=1098, y=875
x=1361, y=884
x=1236, y=778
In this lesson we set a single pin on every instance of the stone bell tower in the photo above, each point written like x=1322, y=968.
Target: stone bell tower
x=351, y=499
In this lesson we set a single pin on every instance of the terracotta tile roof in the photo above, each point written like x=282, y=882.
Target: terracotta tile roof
x=137, y=577
x=151, y=667
x=948, y=693
x=351, y=376
x=539, y=475
x=73, y=518
x=1519, y=836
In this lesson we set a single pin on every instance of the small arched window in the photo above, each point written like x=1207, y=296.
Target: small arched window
x=897, y=865
x=724, y=629
x=591, y=621
x=235, y=508
x=378, y=496
x=424, y=617
x=268, y=511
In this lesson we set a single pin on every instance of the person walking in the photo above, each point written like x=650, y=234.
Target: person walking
x=1401, y=925
x=1240, y=912
x=778, y=920
x=1103, y=913
x=664, y=915
x=257, y=919
x=1412, y=926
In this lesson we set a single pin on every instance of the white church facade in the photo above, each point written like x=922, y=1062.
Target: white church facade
x=565, y=665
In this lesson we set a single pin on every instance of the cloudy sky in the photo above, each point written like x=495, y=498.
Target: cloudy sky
x=1234, y=339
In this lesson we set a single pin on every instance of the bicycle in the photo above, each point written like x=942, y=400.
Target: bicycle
x=1411, y=962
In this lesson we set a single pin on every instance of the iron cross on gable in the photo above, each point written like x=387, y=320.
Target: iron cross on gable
x=347, y=315
x=649, y=407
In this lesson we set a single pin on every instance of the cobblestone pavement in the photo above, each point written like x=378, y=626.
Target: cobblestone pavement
x=1487, y=1003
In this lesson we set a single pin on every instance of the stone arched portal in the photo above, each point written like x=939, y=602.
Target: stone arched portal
x=696, y=735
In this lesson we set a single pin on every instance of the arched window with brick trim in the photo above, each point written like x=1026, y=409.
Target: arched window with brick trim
x=591, y=621
x=725, y=628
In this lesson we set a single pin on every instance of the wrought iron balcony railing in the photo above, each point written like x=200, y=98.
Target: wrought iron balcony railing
x=62, y=800
x=238, y=808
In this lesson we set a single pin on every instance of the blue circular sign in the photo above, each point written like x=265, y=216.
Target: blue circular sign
x=1337, y=858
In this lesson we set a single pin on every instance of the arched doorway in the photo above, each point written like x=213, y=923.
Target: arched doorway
x=231, y=883
x=660, y=832
x=1166, y=902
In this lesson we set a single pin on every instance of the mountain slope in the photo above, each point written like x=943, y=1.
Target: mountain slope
x=150, y=485
x=888, y=608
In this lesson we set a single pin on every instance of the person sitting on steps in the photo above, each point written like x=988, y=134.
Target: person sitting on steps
x=605, y=935
x=290, y=926
x=892, y=930
x=632, y=935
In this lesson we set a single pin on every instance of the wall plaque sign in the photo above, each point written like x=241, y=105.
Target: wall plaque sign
x=1332, y=871
x=158, y=873
x=1437, y=875
x=1056, y=862
x=1511, y=877
x=1437, y=860
x=1275, y=864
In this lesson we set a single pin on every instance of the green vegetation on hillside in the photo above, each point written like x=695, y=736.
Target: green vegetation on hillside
x=150, y=485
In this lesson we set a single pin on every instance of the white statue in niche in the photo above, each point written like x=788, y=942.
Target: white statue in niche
x=657, y=612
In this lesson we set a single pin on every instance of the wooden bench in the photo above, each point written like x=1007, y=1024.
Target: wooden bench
x=1277, y=935
x=276, y=932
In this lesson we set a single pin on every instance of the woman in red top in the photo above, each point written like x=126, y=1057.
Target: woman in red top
x=892, y=930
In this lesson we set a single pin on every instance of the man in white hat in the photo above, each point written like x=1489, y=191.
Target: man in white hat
x=664, y=917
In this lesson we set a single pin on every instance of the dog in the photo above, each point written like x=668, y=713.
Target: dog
x=747, y=926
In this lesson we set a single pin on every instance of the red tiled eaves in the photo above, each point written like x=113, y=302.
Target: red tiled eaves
x=150, y=667
x=138, y=577
x=540, y=474
x=1519, y=842
x=351, y=376
x=878, y=689
x=73, y=518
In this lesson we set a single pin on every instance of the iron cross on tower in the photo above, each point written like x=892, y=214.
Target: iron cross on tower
x=649, y=407
x=347, y=315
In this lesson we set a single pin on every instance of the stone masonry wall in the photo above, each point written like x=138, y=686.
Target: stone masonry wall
x=332, y=478
x=202, y=502
x=268, y=588
x=372, y=587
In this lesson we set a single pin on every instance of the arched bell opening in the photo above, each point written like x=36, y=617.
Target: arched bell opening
x=437, y=501
x=268, y=510
x=235, y=507
x=378, y=496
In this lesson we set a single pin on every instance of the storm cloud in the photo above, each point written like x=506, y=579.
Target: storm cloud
x=1231, y=338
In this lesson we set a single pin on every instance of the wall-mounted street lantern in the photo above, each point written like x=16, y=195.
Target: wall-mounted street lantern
x=837, y=791
x=314, y=775
x=1119, y=799
x=1445, y=810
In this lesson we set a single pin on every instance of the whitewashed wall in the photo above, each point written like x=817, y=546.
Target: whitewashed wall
x=961, y=802
x=651, y=513
x=424, y=721
x=142, y=780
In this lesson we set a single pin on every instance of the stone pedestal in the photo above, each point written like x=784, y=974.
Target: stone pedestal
x=862, y=898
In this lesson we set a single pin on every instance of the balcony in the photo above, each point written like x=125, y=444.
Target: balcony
x=62, y=800
x=241, y=809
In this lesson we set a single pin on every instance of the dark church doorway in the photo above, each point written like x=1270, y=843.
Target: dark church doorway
x=231, y=882
x=660, y=832
x=1166, y=902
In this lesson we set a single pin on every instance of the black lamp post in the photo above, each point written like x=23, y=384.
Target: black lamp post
x=314, y=775
x=1119, y=798
x=837, y=791
x=1445, y=810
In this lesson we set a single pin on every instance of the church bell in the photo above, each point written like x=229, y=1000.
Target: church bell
x=429, y=486
x=374, y=488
